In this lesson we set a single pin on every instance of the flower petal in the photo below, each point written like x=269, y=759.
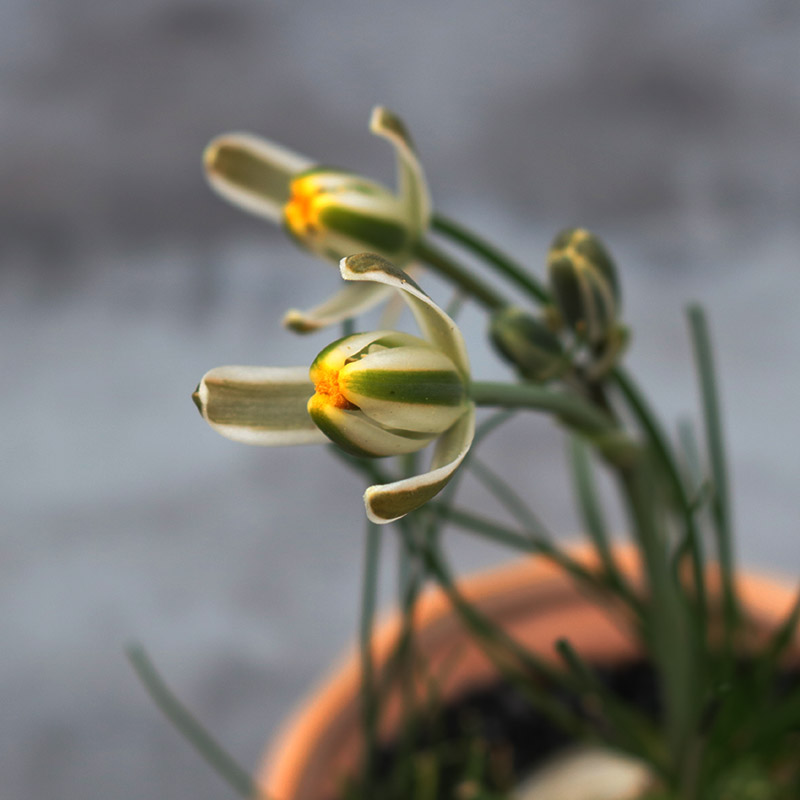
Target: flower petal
x=412, y=187
x=390, y=501
x=351, y=301
x=253, y=173
x=435, y=325
x=414, y=388
x=259, y=405
x=356, y=434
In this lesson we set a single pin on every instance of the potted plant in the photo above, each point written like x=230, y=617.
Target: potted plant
x=721, y=717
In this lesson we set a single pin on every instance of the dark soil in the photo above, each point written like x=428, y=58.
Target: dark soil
x=505, y=724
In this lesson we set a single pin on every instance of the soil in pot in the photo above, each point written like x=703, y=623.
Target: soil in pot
x=501, y=737
x=514, y=751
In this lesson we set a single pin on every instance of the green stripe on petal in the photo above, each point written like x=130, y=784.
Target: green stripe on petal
x=252, y=173
x=336, y=353
x=258, y=405
x=417, y=387
x=367, y=228
x=388, y=502
x=356, y=434
x=435, y=325
x=413, y=388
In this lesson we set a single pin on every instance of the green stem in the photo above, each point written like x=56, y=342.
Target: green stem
x=369, y=704
x=571, y=408
x=468, y=282
x=202, y=741
x=504, y=264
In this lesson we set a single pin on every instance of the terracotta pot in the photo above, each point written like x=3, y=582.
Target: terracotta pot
x=536, y=604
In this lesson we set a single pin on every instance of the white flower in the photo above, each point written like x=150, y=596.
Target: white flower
x=331, y=212
x=374, y=394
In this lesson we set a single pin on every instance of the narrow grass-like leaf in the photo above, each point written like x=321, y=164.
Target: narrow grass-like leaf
x=369, y=697
x=630, y=729
x=589, y=506
x=189, y=727
x=667, y=463
x=699, y=488
x=499, y=646
x=780, y=642
x=692, y=463
x=508, y=497
x=669, y=617
x=530, y=543
x=721, y=507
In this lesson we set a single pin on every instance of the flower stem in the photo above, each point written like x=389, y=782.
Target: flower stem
x=471, y=284
x=571, y=408
x=504, y=264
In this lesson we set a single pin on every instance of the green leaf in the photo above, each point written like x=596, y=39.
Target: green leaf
x=189, y=727
x=720, y=504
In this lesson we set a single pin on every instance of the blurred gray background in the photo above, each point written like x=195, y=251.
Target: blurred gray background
x=672, y=129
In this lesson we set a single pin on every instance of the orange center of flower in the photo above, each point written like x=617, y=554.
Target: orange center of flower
x=302, y=211
x=327, y=385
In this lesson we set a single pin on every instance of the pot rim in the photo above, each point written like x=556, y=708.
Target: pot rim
x=301, y=737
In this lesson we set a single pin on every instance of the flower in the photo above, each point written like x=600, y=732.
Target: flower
x=384, y=393
x=373, y=394
x=332, y=213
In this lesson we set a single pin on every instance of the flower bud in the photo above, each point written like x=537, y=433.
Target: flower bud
x=584, y=281
x=524, y=341
x=385, y=393
x=334, y=214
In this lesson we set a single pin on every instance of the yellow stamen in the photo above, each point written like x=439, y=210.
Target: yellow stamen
x=304, y=206
x=326, y=384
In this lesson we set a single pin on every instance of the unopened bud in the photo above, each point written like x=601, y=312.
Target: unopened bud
x=584, y=282
x=528, y=344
